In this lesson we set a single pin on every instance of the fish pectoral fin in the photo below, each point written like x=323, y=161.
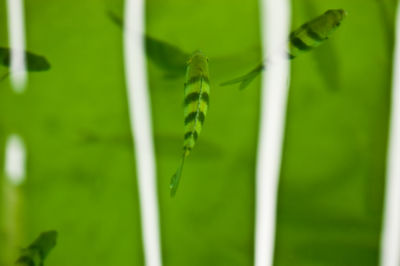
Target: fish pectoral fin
x=173, y=185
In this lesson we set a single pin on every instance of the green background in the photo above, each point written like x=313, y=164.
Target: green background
x=81, y=168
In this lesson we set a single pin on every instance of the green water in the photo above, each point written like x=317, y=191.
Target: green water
x=81, y=174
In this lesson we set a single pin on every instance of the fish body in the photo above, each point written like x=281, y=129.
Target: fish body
x=36, y=253
x=313, y=33
x=307, y=37
x=196, y=101
x=196, y=94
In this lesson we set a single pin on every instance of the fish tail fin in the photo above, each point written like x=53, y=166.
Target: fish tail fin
x=173, y=185
x=4, y=76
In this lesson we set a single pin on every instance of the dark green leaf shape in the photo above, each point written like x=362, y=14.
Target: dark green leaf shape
x=387, y=20
x=34, y=62
x=36, y=253
x=115, y=18
x=166, y=56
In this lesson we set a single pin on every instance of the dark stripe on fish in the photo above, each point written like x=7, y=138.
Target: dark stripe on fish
x=192, y=116
x=192, y=97
x=195, y=96
x=315, y=36
x=201, y=117
x=205, y=97
x=196, y=79
x=300, y=44
x=190, y=134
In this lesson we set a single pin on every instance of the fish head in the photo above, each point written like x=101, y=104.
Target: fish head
x=327, y=23
x=198, y=63
x=334, y=17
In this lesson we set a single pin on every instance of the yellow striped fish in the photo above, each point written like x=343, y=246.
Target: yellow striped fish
x=308, y=36
x=314, y=32
x=196, y=93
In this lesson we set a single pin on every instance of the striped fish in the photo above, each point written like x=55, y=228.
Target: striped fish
x=36, y=253
x=307, y=37
x=196, y=93
x=313, y=33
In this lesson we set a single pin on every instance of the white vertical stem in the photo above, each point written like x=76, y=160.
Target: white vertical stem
x=16, y=29
x=12, y=222
x=15, y=160
x=390, y=240
x=15, y=168
x=140, y=115
x=15, y=173
x=275, y=29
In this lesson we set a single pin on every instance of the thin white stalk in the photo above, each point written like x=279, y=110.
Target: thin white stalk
x=390, y=239
x=275, y=29
x=16, y=29
x=15, y=153
x=15, y=173
x=12, y=223
x=15, y=160
x=140, y=116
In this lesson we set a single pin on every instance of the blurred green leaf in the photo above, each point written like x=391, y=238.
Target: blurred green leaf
x=34, y=62
x=36, y=253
